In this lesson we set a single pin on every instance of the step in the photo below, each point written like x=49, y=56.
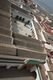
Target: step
x=6, y=39
x=4, y=31
x=6, y=49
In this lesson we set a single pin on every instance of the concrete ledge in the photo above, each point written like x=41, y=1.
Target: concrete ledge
x=5, y=32
x=31, y=54
x=6, y=39
x=5, y=22
x=28, y=39
x=6, y=49
x=15, y=74
x=3, y=12
x=5, y=5
x=31, y=45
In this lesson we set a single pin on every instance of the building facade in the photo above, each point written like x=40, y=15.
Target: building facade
x=21, y=49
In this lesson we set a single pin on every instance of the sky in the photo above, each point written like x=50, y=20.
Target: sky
x=46, y=3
